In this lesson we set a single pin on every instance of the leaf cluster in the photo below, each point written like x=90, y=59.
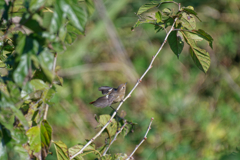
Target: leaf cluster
x=32, y=33
x=185, y=30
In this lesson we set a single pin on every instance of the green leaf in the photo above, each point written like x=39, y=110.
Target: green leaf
x=146, y=7
x=72, y=29
x=200, y=56
x=191, y=11
x=13, y=91
x=158, y=28
x=40, y=138
x=75, y=13
x=70, y=38
x=46, y=59
x=38, y=84
x=89, y=149
x=5, y=14
x=176, y=43
x=46, y=135
x=22, y=70
x=47, y=17
x=111, y=128
x=43, y=74
x=158, y=16
x=47, y=96
x=5, y=138
x=31, y=23
x=57, y=18
x=193, y=36
x=90, y=7
x=34, y=138
x=18, y=134
x=188, y=22
x=36, y=4
x=20, y=116
x=62, y=150
x=167, y=11
x=204, y=35
x=58, y=46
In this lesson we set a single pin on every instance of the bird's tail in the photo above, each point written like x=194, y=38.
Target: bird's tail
x=92, y=102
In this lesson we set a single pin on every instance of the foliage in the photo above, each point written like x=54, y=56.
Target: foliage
x=185, y=29
x=196, y=117
x=32, y=32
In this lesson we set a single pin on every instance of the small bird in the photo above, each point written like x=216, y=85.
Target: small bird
x=112, y=95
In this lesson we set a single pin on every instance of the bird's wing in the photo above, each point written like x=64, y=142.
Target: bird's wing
x=105, y=89
x=103, y=101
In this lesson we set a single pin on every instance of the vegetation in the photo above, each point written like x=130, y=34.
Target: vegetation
x=195, y=105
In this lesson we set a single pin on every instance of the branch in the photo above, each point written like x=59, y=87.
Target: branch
x=53, y=71
x=145, y=137
x=117, y=47
x=129, y=94
x=115, y=137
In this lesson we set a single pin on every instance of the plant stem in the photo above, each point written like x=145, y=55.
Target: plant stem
x=145, y=137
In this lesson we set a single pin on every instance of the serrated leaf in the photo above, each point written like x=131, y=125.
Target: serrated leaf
x=58, y=46
x=36, y=4
x=168, y=22
x=190, y=11
x=176, y=43
x=38, y=84
x=47, y=96
x=111, y=128
x=73, y=150
x=135, y=25
x=46, y=135
x=13, y=91
x=188, y=22
x=204, y=35
x=62, y=150
x=70, y=38
x=46, y=59
x=57, y=18
x=90, y=7
x=167, y=11
x=200, y=56
x=40, y=138
x=20, y=116
x=46, y=21
x=72, y=29
x=193, y=36
x=75, y=13
x=31, y=23
x=22, y=70
x=43, y=74
x=158, y=16
x=34, y=138
x=146, y=7
x=158, y=28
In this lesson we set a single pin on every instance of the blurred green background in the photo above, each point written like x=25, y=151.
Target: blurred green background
x=196, y=115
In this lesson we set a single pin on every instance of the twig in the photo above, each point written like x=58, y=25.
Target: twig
x=145, y=137
x=115, y=137
x=53, y=71
x=129, y=94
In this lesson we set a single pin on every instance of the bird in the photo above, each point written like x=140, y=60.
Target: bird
x=111, y=95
